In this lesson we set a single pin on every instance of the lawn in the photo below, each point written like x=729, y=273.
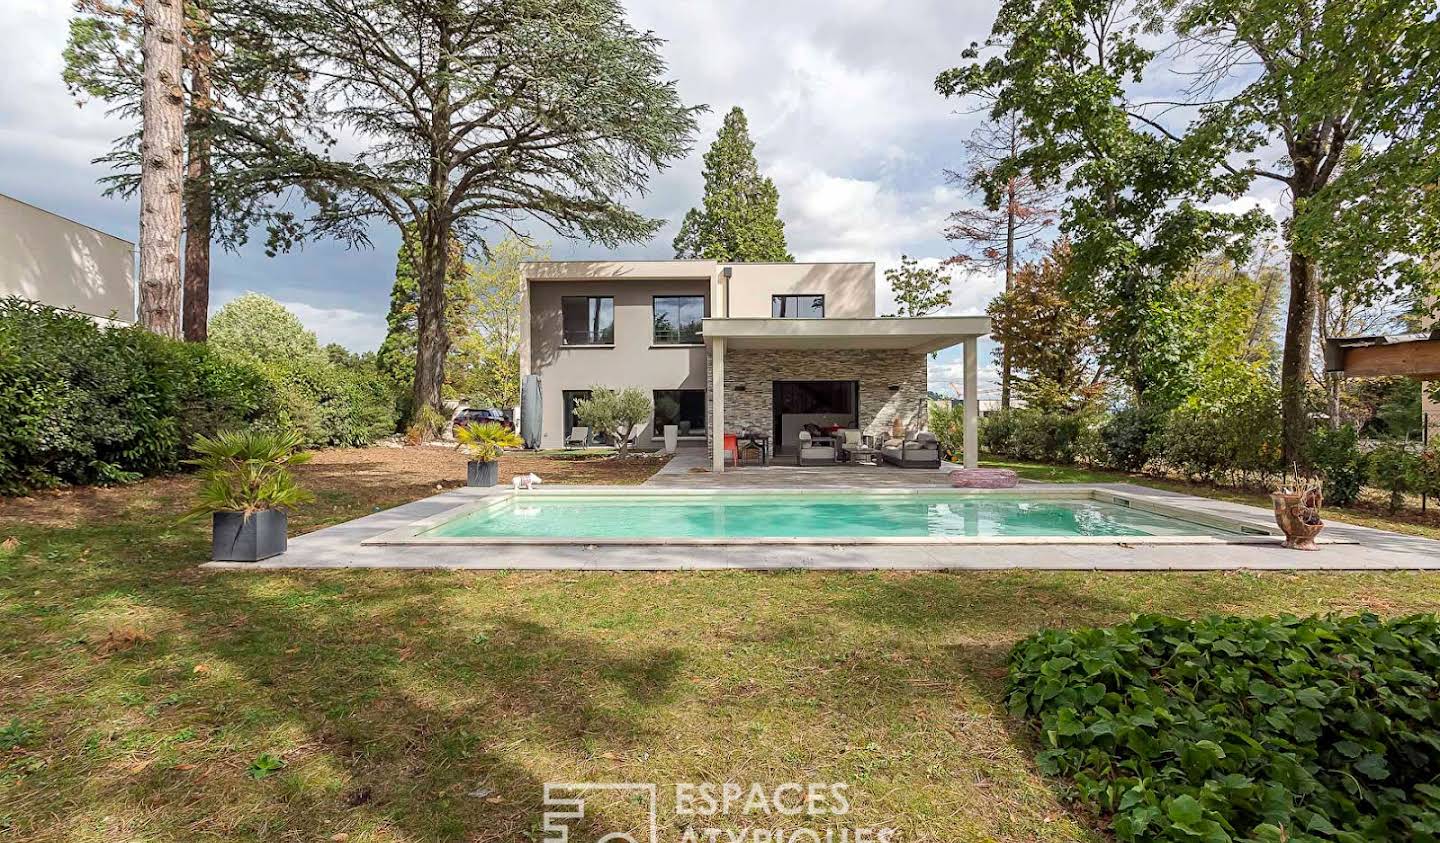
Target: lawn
x=145, y=699
x=1370, y=511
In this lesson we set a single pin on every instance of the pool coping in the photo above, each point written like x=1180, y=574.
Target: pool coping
x=1245, y=530
x=340, y=547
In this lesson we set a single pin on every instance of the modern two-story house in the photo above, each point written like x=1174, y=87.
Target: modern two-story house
x=729, y=347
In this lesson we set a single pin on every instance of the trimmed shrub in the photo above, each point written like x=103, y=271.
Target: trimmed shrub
x=997, y=432
x=1390, y=470
x=1131, y=437
x=1425, y=473
x=1236, y=440
x=328, y=405
x=1039, y=436
x=947, y=422
x=86, y=404
x=1335, y=455
x=1270, y=729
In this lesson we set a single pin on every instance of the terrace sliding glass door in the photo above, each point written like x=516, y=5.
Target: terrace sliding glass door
x=820, y=403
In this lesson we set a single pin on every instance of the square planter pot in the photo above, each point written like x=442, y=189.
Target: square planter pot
x=239, y=539
x=482, y=473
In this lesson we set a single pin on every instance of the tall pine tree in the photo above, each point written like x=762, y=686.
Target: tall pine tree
x=739, y=219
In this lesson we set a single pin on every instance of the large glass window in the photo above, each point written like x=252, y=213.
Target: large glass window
x=588, y=320
x=682, y=407
x=804, y=306
x=678, y=319
x=817, y=397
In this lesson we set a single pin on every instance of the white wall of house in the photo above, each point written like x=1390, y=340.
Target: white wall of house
x=848, y=288
x=59, y=262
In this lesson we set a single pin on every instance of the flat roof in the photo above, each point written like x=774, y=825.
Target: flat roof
x=922, y=333
x=617, y=270
x=650, y=270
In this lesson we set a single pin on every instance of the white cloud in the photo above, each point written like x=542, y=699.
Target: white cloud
x=947, y=372
x=353, y=329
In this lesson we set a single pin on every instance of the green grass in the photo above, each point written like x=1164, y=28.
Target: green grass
x=144, y=699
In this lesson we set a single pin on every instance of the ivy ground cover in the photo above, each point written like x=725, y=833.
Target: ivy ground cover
x=1230, y=729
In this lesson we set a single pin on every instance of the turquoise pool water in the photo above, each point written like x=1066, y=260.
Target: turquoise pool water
x=819, y=516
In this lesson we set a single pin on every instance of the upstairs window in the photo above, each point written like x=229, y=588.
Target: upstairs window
x=803, y=306
x=588, y=320
x=678, y=319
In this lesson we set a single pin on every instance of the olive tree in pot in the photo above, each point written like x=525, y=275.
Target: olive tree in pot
x=246, y=488
x=482, y=442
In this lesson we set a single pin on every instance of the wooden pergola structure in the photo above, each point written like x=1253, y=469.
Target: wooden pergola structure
x=1406, y=355
x=1410, y=355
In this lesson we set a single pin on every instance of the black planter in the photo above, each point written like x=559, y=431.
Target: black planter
x=240, y=539
x=482, y=473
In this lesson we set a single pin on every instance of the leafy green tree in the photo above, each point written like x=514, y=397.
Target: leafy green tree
x=918, y=290
x=1345, y=89
x=476, y=115
x=739, y=218
x=1348, y=89
x=1052, y=343
x=257, y=327
x=1135, y=210
x=486, y=364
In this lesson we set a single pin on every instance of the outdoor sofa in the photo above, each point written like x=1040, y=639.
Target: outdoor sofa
x=810, y=452
x=919, y=451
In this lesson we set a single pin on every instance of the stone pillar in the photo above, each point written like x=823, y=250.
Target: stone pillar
x=972, y=403
x=717, y=405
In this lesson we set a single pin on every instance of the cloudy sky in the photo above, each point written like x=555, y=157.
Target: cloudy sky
x=839, y=94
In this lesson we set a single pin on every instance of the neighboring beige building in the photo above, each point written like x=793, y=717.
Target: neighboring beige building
x=59, y=262
x=731, y=347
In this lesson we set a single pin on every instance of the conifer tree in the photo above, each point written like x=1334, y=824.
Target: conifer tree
x=739, y=218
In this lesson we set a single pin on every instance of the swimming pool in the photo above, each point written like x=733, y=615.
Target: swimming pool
x=619, y=517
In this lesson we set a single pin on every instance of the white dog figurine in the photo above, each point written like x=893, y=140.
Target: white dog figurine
x=526, y=482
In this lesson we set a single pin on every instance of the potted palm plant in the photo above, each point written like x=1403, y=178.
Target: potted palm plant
x=482, y=442
x=246, y=489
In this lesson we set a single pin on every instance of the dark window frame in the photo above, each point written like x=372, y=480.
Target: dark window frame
x=658, y=427
x=777, y=401
x=567, y=409
x=780, y=298
x=655, y=310
x=593, y=337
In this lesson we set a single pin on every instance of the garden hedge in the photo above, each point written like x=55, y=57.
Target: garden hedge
x=1221, y=729
x=82, y=403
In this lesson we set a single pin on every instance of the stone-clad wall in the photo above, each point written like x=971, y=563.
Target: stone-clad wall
x=877, y=371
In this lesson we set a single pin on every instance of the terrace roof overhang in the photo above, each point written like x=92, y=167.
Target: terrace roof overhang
x=1410, y=355
x=923, y=333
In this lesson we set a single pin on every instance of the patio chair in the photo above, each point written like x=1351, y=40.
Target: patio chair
x=579, y=437
x=847, y=442
x=808, y=452
x=919, y=451
x=732, y=448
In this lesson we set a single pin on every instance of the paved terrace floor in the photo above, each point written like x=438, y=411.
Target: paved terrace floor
x=690, y=469
x=1361, y=548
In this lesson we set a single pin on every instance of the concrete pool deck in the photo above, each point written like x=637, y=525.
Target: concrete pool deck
x=1348, y=547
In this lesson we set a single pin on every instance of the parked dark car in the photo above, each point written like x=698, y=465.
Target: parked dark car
x=472, y=415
